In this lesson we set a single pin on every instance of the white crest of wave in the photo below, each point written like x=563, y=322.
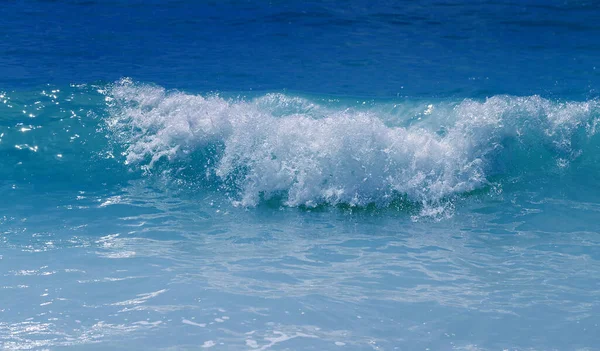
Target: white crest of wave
x=313, y=154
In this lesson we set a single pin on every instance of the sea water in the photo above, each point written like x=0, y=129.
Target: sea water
x=286, y=175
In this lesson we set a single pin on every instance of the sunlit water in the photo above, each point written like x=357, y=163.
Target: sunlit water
x=365, y=177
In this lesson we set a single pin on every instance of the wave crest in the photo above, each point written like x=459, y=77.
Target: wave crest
x=311, y=153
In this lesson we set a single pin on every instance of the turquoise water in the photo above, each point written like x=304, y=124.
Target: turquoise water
x=299, y=176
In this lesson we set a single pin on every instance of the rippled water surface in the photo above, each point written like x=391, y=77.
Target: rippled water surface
x=299, y=175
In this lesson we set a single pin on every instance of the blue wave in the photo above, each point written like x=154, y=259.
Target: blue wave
x=312, y=152
x=301, y=151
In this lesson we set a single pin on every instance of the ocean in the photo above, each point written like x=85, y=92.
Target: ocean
x=300, y=175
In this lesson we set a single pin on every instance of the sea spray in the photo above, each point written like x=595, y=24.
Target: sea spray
x=309, y=153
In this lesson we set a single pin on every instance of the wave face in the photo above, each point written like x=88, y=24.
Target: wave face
x=309, y=152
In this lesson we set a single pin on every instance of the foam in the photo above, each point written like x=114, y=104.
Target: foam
x=309, y=153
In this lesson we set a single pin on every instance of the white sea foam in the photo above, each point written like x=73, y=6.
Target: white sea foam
x=312, y=153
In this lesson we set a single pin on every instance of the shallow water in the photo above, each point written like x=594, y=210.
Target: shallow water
x=364, y=177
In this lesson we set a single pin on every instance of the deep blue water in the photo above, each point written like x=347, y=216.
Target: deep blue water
x=286, y=175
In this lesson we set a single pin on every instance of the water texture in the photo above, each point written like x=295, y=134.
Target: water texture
x=182, y=175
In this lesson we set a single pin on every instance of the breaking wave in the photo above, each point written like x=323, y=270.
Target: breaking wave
x=308, y=152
